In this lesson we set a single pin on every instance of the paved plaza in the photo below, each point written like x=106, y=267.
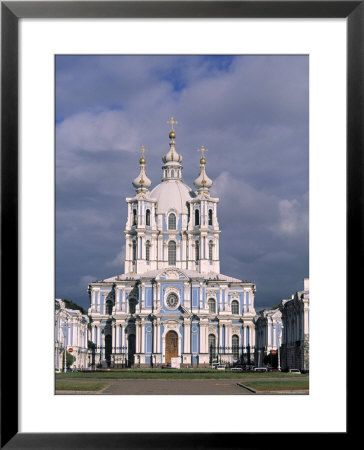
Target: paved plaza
x=181, y=387
x=168, y=387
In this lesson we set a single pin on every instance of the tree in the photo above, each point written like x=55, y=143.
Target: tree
x=271, y=359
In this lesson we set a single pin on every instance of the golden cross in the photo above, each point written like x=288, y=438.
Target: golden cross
x=202, y=150
x=142, y=150
x=172, y=122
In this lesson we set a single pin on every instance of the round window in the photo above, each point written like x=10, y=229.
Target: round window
x=172, y=301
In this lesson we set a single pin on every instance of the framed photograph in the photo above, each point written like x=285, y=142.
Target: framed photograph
x=177, y=62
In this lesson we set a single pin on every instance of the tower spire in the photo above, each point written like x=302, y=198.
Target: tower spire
x=142, y=182
x=172, y=168
x=203, y=182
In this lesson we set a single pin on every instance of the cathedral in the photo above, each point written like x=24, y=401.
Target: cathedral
x=172, y=306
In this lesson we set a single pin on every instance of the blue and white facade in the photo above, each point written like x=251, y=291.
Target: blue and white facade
x=268, y=334
x=172, y=303
x=295, y=349
x=71, y=333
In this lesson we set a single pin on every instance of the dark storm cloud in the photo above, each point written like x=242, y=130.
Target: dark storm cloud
x=251, y=113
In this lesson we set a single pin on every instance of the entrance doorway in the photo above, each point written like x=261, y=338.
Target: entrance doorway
x=171, y=345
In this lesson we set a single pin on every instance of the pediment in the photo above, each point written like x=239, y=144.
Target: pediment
x=172, y=274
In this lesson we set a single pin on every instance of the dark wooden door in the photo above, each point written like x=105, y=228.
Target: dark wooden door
x=171, y=346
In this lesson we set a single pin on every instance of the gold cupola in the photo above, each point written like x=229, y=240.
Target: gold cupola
x=203, y=182
x=142, y=182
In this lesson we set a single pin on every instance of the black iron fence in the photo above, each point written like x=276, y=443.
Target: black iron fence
x=233, y=354
x=123, y=356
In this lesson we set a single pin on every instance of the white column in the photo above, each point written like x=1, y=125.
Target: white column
x=306, y=321
x=274, y=335
x=158, y=336
x=186, y=336
x=154, y=337
x=200, y=307
x=143, y=296
x=143, y=336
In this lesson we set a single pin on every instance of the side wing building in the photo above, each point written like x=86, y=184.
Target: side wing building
x=172, y=304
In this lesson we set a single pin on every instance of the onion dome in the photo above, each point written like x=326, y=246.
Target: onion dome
x=203, y=182
x=142, y=182
x=172, y=155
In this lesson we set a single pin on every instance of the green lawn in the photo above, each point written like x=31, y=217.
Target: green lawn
x=175, y=374
x=278, y=385
x=71, y=385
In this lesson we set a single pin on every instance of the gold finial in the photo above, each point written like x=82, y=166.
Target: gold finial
x=142, y=159
x=202, y=150
x=172, y=122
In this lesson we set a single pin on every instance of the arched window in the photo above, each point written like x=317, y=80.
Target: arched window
x=211, y=245
x=172, y=221
x=132, y=305
x=172, y=173
x=234, y=307
x=197, y=251
x=212, y=346
x=235, y=342
x=197, y=217
x=212, y=306
x=109, y=306
x=147, y=217
x=134, y=216
x=134, y=251
x=210, y=216
x=147, y=251
x=172, y=253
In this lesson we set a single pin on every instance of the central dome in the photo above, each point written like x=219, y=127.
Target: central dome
x=172, y=194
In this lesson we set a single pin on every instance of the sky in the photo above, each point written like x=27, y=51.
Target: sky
x=250, y=112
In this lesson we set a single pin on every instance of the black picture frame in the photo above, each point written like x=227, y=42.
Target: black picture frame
x=11, y=12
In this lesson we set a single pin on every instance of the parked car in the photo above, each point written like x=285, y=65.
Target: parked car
x=260, y=369
x=221, y=367
x=237, y=369
x=294, y=371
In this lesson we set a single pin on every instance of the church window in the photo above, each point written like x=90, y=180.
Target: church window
x=197, y=251
x=172, y=173
x=212, y=306
x=212, y=346
x=132, y=305
x=109, y=306
x=171, y=253
x=235, y=345
x=134, y=216
x=210, y=250
x=197, y=217
x=210, y=216
x=235, y=307
x=172, y=221
x=147, y=251
x=134, y=251
x=147, y=217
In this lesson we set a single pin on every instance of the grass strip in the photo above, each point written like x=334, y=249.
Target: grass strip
x=72, y=385
x=191, y=375
x=274, y=385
